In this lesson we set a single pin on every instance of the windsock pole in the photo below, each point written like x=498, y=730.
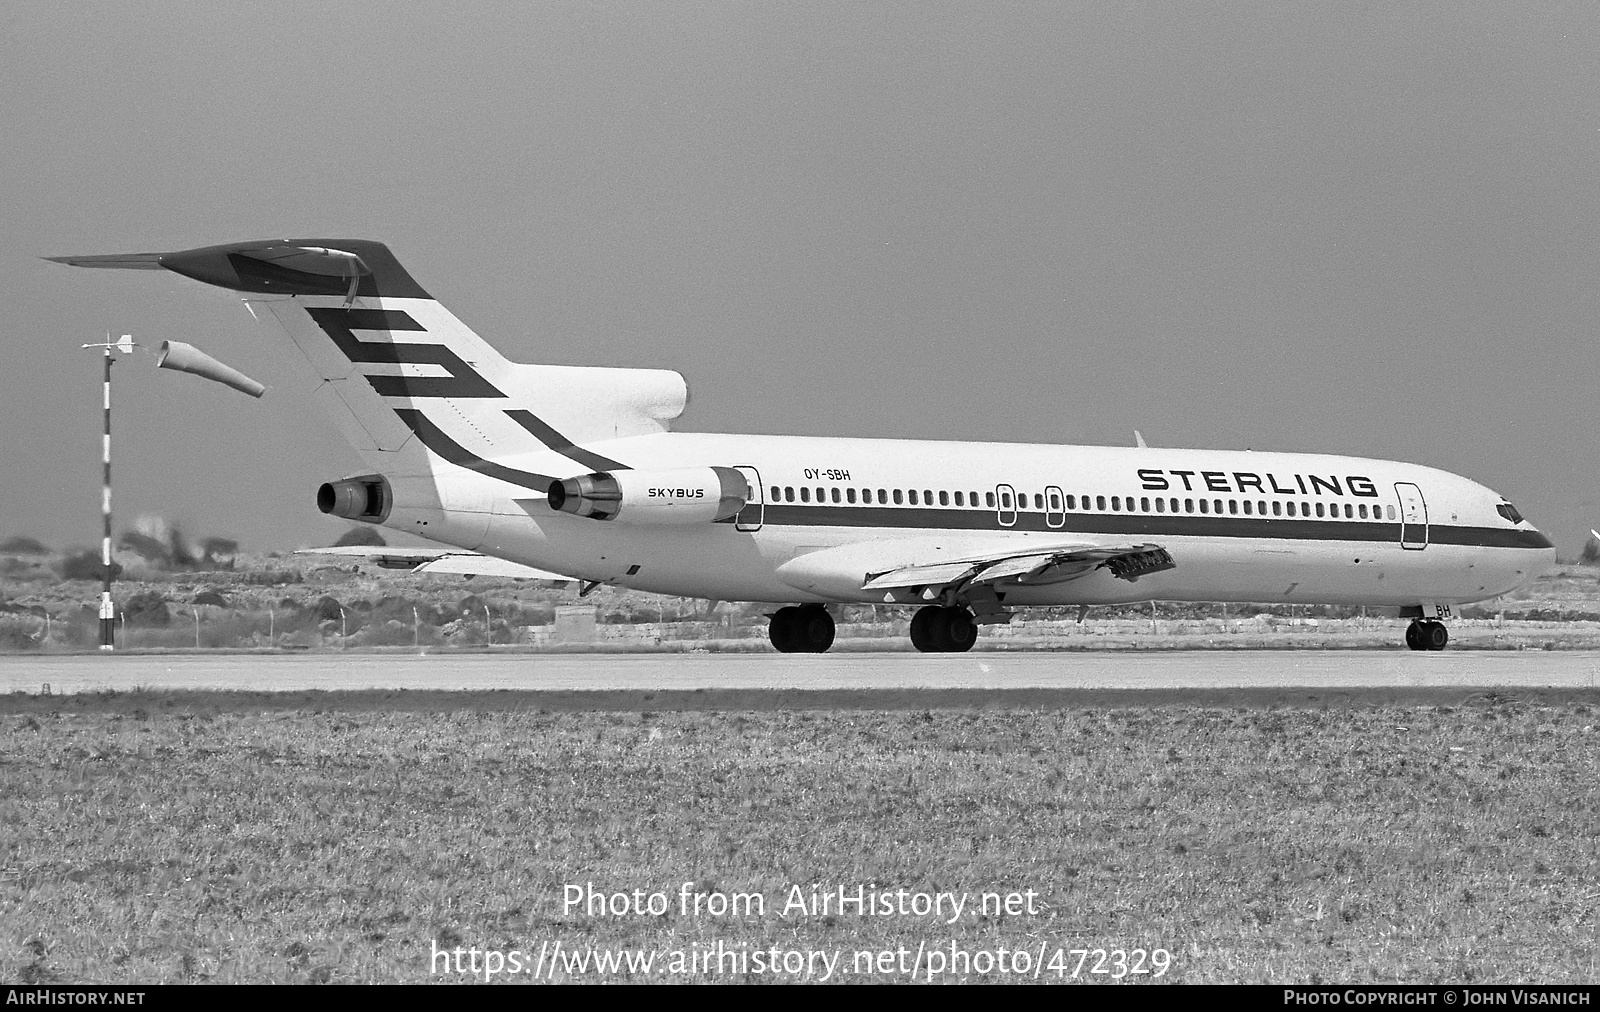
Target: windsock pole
x=108, y=613
x=108, y=610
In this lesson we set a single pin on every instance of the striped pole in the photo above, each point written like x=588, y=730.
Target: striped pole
x=108, y=613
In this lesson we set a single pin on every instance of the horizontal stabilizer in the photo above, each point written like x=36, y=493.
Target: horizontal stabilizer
x=437, y=561
x=124, y=261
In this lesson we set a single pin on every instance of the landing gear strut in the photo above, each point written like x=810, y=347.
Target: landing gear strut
x=1426, y=634
x=807, y=629
x=936, y=630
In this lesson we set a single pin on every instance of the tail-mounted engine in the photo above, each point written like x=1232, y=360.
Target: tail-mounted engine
x=367, y=498
x=684, y=495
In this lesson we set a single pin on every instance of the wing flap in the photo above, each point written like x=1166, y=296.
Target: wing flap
x=918, y=576
x=1125, y=562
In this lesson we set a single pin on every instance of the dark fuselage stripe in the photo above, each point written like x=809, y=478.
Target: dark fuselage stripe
x=561, y=444
x=434, y=439
x=1142, y=525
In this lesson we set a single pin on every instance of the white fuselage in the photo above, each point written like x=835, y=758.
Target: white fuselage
x=1240, y=526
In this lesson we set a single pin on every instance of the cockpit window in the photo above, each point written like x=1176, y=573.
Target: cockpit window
x=1509, y=511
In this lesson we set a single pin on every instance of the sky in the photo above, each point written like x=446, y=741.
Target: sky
x=1365, y=229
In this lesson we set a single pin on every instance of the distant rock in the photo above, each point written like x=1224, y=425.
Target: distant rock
x=211, y=597
x=360, y=536
x=147, y=609
x=87, y=566
x=21, y=545
x=328, y=609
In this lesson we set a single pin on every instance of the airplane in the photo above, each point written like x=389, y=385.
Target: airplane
x=575, y=471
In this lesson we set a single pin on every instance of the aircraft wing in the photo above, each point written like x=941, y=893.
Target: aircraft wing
x=437, y=560
x=962, y=568
x=1028, y=565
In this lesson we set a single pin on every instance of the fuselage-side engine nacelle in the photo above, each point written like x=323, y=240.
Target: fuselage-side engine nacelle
x=680, y=495
x=367, y=498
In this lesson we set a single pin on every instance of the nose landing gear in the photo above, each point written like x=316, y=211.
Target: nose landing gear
x=1426, y=634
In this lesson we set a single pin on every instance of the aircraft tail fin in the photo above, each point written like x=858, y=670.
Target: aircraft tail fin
x=407, y=383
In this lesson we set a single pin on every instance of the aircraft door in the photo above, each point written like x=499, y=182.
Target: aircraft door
x=754, y=512
x=1413, y=516
x=1055, y=507
x=1005, y=505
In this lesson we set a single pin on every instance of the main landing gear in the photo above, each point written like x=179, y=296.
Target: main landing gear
x=807, y=629
x=936, y=630
x=1426, y=634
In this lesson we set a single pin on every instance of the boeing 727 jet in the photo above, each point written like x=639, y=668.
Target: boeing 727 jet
x=574, y=471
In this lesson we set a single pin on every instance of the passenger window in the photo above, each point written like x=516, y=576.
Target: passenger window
x=788, y=493
x=883, y=497
x=836, y=493
x=1144, y=505
x=1319, y=509
x=1005, y=500
x=850, y=495
x=1247, y=507
x=1361, y=511
x=944, y=498
x=1391, y=512
x=913, y=496
x=927, y=497
x=775, y=496
x=1099, y=502
x=1038, y=501
x=805, y=494
x=1305, y=509
x=1233, y=507
x=1174, y=505
x=1261, y=507
x=1349, y=512
x=897, y=497
x=1291, y=509
x=1055, y=502
x=1188, y=505
x=1161, y=505
x=1216, y=506
x=1072, y=502
x=958, y=500
x=1203, y=506
x=1277, y=508
x=988, y=499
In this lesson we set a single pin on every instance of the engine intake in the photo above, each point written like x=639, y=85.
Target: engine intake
x=682, y=495
x=367, y=498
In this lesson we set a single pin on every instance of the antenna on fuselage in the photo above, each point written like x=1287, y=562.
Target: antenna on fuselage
x=1138, y=439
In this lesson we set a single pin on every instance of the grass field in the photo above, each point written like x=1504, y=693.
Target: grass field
x=144, y=840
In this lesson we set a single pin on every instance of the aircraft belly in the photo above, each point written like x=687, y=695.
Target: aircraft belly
x=1301, y=572
x=712, y=560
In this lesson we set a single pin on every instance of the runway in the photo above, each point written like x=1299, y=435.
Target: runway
x=899, y=680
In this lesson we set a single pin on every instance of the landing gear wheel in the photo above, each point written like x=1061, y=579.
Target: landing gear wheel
x=813, y=630
x=1414, y=636
x=920, y=637
x=936, y=630
x=1427, y=634
x=1434, y=635
x=804, y=630
x=781, y=630
x=960, y=631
